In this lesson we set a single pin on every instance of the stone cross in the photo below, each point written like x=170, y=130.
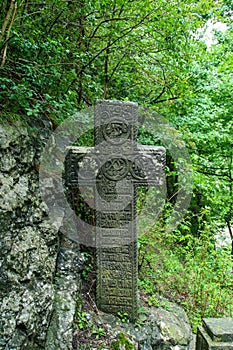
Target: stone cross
x=113, y=169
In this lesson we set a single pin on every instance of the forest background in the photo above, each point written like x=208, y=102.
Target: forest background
x=57, y=57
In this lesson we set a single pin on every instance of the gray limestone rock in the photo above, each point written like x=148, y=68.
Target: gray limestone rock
x=60, y=333
x=161, y=329
x=174, y=326
x=29, y=248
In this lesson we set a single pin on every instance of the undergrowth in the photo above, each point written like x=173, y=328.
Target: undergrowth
x=192, y=272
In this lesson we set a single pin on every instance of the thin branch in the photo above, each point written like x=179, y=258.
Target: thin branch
x=210, y=168
x=8, y=31
x=214, y=174
x=28, y=15
x=54, y=22
x=126, y=32
x=49, y=64
x=106, y=78
x=166, y=99
x=109, y=45
x=231, y=235
x=106, y=21
x=6, y=42
x=117, y=66
x=7, y=19
x=161, y=93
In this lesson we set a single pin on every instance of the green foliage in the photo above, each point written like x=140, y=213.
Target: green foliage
x=122, y=341
x=195, y=273
x=142, y=316
x=204, y=117
x=100, y=332
x=88, y=266
x=124, y=317
x=58, y=57
x=82, y=320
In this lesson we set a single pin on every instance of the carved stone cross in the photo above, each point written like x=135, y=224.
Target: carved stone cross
x=113, y=169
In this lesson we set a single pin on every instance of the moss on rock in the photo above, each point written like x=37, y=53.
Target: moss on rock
x=123, y=343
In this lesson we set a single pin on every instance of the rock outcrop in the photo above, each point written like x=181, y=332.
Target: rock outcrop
x=163, y=328
x=32, y=253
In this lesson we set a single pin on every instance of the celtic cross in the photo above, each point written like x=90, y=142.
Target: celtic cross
x=107, y=177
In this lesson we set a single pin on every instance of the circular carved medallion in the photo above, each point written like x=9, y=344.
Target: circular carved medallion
x=115, y=169
x=87, y=167
x=137, y=168
x=116, y=131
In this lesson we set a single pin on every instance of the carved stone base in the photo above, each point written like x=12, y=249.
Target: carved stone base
x=215, y=334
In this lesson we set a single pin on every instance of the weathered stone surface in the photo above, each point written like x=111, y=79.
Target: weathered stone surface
x=160, y=330
x=60, y=334
x=215, y=333
x=219, y=329
x=29, y=247
x=174, y=325
x=113, y=169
